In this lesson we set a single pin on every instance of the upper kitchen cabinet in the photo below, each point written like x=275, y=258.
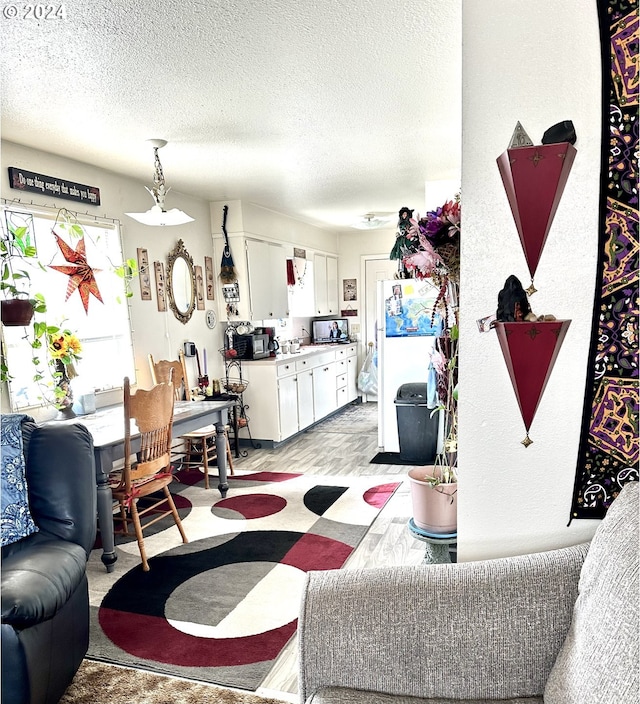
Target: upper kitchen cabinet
x=267, y=275
x=301, y=295
x=325, y=278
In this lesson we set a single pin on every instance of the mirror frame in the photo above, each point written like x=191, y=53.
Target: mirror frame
x=179, y=252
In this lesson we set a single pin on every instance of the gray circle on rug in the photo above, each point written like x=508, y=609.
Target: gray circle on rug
x=227, y=585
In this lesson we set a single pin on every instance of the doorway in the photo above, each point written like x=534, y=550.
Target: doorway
x=377, y=267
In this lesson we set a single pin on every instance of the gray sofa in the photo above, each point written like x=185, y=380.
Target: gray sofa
x=559, y=627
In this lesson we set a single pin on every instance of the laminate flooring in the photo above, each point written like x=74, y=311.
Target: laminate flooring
x=342, y=445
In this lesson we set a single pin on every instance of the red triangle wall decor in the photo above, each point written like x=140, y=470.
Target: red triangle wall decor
x=534, y=179
x=530, y=350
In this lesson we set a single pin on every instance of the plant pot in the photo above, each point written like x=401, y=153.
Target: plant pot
x=435, y=508
x=16, y=311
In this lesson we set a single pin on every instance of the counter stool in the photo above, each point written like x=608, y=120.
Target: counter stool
x=436, y=544
x=199, y=445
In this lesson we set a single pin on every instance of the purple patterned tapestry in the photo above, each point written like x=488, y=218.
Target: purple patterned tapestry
x=609, y=450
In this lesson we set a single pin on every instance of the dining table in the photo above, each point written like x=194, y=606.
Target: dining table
x=106, y=426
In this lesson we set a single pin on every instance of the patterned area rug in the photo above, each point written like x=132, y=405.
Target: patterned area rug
x=609, y=448
x=222, y=607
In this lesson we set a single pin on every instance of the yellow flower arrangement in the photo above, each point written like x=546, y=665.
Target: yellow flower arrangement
x=63, y=346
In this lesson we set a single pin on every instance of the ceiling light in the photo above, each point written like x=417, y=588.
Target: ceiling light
x=158, y=215
x=371, y=221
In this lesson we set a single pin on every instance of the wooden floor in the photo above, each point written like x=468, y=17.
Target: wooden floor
x=342, y=445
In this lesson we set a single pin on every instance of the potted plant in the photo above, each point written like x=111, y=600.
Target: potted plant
x=16, y=245
x=431, y=249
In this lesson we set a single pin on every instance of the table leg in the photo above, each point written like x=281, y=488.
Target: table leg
x=221, y=450
x=105, y=511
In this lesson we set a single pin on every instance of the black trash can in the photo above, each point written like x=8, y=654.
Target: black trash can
x=417, y=429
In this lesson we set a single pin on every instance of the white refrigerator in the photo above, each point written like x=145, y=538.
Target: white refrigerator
x=405, y=337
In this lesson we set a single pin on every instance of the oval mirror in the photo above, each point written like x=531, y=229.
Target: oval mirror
x=180, y=283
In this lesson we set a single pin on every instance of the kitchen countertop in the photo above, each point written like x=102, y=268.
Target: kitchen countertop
x=305, y=351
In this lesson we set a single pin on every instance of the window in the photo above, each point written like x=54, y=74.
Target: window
x=104, y=329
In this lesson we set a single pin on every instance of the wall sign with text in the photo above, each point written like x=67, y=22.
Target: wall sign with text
x=51, y=186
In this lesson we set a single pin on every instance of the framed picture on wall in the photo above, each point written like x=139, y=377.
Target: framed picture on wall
x=199, y=288
x=144, y=274
x=160, y=286
x=208, y=272
x=349, y=290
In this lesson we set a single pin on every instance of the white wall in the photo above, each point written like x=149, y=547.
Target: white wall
x=160, y=334
x=537, y=62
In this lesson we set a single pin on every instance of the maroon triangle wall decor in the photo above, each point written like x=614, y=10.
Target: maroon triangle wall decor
x=530, y=350
x=534, y=179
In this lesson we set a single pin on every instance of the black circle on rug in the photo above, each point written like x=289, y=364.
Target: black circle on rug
x=183, y=505
x=132, y=614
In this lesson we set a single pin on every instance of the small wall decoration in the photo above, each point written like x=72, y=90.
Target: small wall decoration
x=208, y=270
x=144, y=273
x=299, y=253
x=349, y=290
x=160, y=286
x=199, y=288
x=80, y=273
x=349, y=311
x=231, y=292
x=534, y=179
x=50, y=185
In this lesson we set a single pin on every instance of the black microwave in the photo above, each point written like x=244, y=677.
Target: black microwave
x=254, y=346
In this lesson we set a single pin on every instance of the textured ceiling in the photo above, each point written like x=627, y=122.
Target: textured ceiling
x=324, y=110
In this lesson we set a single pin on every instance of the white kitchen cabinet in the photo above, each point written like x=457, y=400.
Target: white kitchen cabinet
x=325, y=284
x=332, y=286
x=352, y=377
x=324, y=390
x=288, y=405
x=305, y=399
x=320, y=284
x=301, y=295
x=267, y=274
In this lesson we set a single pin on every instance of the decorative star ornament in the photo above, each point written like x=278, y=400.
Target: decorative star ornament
x=81, y=275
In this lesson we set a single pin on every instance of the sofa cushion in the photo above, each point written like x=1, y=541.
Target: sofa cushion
x=17, y=522
x=598, y=662
x=39, y=575
x=342, y=695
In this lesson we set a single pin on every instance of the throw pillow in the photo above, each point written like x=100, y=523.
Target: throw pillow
x=17, y=522
x=598, y=662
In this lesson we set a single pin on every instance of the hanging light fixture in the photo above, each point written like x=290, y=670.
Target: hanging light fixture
x=158, y=215
x=373, y=221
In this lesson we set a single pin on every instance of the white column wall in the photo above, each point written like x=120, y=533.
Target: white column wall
x=539, y=63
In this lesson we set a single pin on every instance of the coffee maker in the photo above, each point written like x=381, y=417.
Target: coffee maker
x=274, y=345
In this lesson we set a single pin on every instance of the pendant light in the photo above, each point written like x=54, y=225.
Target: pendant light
x=158, y=215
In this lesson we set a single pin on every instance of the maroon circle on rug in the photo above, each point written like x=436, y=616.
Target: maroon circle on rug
x=248, y=506
x=378, y=496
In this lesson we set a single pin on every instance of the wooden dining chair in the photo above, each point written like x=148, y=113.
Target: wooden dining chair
x=148, y=471
x=197, y=448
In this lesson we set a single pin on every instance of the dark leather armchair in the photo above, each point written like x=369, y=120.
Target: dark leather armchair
x=45, y=600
